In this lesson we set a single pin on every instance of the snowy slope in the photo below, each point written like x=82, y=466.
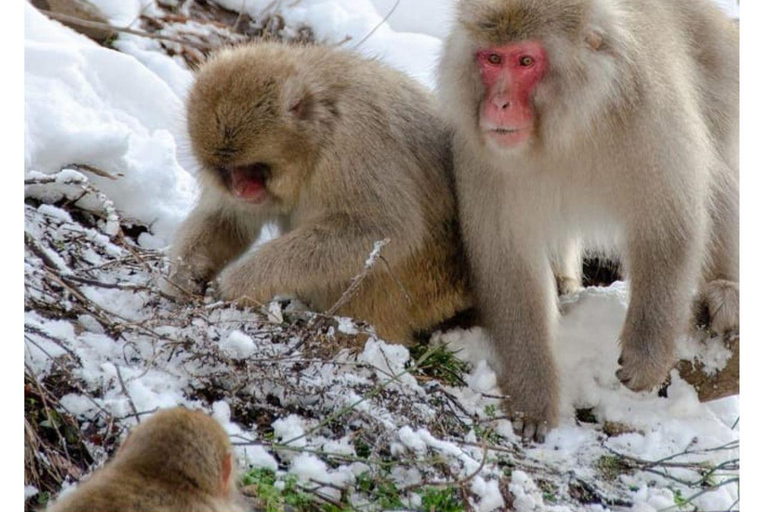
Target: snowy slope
x=90, y=105
x=122, y=112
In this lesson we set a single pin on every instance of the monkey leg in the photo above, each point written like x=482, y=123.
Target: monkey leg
x=717, y=304
x=566, y=265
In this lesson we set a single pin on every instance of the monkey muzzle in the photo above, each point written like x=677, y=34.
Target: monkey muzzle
x=248, y=182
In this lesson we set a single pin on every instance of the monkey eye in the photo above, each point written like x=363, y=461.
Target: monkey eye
x=494, y=58
x=526, y=61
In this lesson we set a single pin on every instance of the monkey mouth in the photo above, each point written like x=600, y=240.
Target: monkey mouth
x=507, y=137
x=506, y=130
x=248, y=182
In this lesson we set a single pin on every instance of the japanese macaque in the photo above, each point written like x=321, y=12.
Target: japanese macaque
x=339, y=152
x=176, y=460
x=607, y=123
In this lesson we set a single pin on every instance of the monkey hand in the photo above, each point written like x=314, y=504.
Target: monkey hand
x=240, y=283
x=533, y=412
x=644, y=365
x=185, y=279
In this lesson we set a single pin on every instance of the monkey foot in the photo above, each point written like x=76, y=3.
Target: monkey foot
x=531, y=429
x=643, y=372
x=718, y=306
x=567, y=285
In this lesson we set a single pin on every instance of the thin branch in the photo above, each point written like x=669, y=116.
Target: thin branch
x=378, y=25
x=106, y=26
x=354, y=286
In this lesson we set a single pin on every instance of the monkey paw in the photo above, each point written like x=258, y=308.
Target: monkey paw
x=532, y=420
x=236, y=284
x=718, y=306
x=641, y=370
x=567, y=285
x=183, y=281
x=530, y=428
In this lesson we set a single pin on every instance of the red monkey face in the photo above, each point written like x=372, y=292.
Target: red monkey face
x=510, y=74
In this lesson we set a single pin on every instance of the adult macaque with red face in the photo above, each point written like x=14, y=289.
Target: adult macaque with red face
x=612, y=122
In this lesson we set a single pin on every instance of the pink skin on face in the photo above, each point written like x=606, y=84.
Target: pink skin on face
x=510, y=74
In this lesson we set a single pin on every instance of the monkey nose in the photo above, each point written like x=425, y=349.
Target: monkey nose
x=501, y=103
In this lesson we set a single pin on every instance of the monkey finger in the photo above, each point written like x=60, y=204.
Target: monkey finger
x=530, y=429
x=633, y=381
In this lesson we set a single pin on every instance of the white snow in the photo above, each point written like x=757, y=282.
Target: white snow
x=290, y=430
x=389, y=361
x=352, y=23
x=90, y=105
x=238, y=345
x=125, y=12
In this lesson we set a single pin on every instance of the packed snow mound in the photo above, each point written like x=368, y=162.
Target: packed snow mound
x=86, y=104
x=359, y=25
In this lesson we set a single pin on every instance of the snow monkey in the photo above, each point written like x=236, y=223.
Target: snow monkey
x=339, y=152
x=176, y=460
x=610, y=122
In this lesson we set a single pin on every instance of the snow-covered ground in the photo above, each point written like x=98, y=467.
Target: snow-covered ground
x=122, y=112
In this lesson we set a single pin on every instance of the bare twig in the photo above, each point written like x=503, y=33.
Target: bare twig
x=357, y=281
x=378, y=25
x=95, y=24
x=127, y=394
x=455, y=483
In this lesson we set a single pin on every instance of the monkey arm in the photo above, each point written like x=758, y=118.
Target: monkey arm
x=209, y=239
x=319, y=256
x=662, y=273
x=517, y=298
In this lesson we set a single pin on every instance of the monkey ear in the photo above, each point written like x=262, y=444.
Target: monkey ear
x=594, y=39
x=299, y=100
x=226, y=473
x=302, y=107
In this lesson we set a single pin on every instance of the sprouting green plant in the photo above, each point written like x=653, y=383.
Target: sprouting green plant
x=441, y=500
x=680, y=500
x=441, y=364
x=275, y=492
x=548, y=491
x=609, y=466
x=43, y=497
x=362, y=448
x=380, y=489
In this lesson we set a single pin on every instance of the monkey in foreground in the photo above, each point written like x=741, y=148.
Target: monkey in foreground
x=176, y=460
x=608, y=123
x=339, y=152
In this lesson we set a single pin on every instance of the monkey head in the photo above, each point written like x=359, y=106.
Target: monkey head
x=535, y=73
x=183, y=442
x=256, y=123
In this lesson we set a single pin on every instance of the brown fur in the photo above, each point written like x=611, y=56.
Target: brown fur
x=358, y=154
x=634, y=150
x=176, y=460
